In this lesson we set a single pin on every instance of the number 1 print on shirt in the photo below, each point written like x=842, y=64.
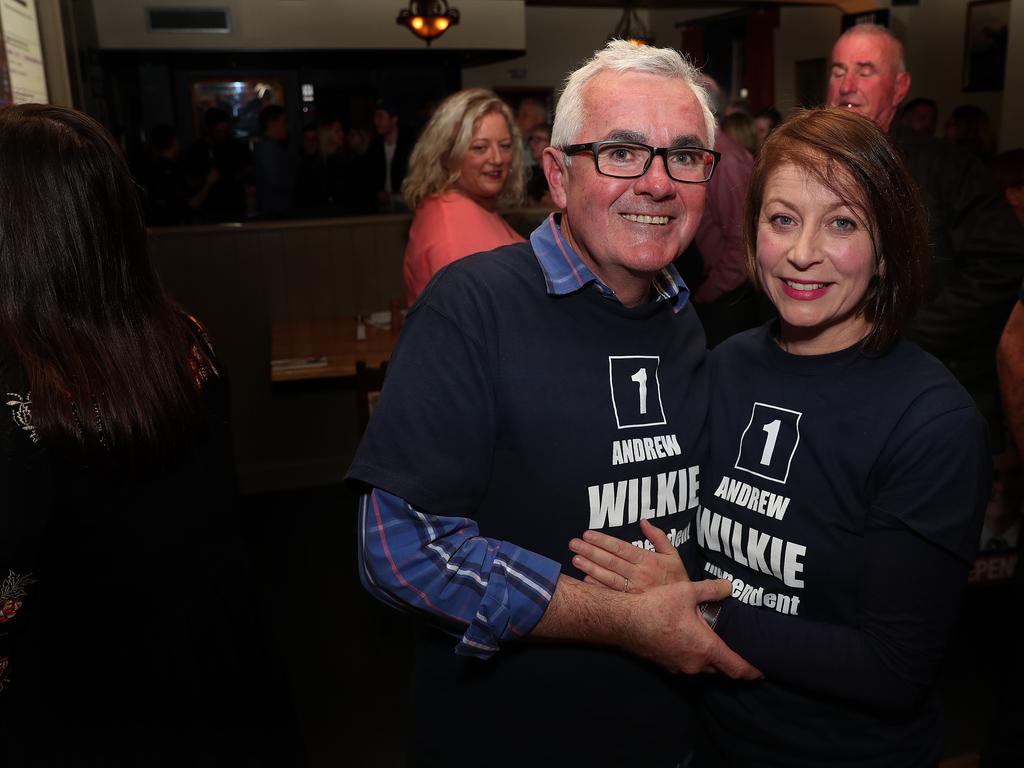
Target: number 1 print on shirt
x=640, y=377
x=636, y=393
x=769, y=442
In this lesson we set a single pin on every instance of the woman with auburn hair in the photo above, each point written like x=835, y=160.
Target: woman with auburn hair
x=467, y=162
x=126, y=633
x=848, y=476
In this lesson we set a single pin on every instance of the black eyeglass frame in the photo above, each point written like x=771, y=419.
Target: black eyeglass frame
x=595, y=146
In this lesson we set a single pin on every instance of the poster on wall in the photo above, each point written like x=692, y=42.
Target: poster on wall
x=1001, y=530
x=23, y=68
x=988, y=34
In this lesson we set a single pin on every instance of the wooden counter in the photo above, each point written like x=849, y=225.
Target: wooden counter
x=326, y=349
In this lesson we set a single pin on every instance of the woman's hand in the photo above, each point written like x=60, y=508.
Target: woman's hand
x=618, y=565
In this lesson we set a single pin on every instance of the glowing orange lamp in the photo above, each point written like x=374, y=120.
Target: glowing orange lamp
x=631, y=27
x=428, y=19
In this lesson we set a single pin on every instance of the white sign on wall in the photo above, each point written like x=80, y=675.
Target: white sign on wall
x=24, y=52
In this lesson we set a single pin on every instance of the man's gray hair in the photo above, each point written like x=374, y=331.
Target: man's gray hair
x=623, y=56
x=876, y=30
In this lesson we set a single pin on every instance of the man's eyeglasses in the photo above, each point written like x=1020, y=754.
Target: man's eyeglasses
x=628, y=160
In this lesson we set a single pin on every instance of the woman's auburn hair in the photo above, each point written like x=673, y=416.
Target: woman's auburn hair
x=436, y=160
x=854, y=159
x=110, y=362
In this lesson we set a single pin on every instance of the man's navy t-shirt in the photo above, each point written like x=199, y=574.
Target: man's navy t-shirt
x=541, y=416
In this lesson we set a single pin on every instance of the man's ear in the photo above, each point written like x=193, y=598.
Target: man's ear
x=902, y=86
x=553, y=161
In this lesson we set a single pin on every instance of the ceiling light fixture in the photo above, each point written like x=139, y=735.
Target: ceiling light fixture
x=631, y=28
x=428, y=19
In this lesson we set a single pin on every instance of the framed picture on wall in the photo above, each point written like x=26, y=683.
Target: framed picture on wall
x=243, y=100
x=988, y=23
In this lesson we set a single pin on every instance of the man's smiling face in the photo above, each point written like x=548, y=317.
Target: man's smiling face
x=626, y=230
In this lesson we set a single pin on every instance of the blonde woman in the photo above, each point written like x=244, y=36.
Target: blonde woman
x=467, y=162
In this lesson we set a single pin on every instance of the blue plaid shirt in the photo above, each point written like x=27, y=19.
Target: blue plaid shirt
x=485, y=590
x=565, y=272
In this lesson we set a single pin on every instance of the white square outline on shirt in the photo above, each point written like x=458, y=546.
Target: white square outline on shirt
x=611, y=386
x=750, y=423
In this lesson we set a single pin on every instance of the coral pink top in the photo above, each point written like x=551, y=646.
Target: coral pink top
x=448, y=227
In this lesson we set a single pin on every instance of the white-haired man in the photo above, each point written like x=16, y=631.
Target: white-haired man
x=976, y=246
x=540, y=390
x=868, y=73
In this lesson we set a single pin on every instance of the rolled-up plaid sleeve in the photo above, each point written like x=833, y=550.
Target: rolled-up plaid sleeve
x=485, y=591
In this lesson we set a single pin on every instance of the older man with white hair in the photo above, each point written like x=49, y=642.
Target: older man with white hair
x=976, y=246
x=868, y=73
x=543, y=389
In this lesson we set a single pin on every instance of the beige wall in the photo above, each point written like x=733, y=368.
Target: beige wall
x=323, y=24
x=802, y=34
x=556, y=40
x=55, y=60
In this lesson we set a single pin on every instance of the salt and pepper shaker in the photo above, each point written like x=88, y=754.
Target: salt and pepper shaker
x=360, y=328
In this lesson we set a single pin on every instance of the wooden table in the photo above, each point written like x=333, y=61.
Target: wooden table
x=304, y=343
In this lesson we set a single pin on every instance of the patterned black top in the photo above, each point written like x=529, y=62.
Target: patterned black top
x=128, y=625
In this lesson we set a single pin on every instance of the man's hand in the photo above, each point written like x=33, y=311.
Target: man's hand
x=662, y=625
x=667, y=628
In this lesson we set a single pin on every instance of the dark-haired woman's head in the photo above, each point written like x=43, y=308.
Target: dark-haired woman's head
x=71, y=228
x=835, y=232
x=81, y=308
